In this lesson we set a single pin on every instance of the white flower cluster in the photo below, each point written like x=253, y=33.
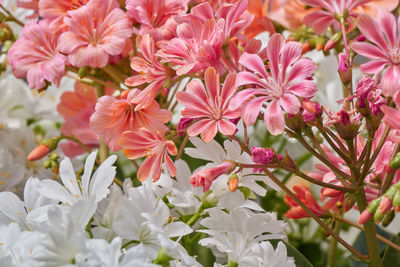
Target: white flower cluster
x=89, y=221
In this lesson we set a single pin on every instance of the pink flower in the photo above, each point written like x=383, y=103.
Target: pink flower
x=96, y=31
x=320, y=20
x=149, y=71
x=35, y=55
x=385, y=50
x=209, y=105
x=305, y=196
x=50, y=9
x=196, y=50
x=279, y=88
x=114, y=116
x=28, y=4
x=155, y=16
x=262, y=155
x=143, y=143
x=206, y=176
x=391, y=117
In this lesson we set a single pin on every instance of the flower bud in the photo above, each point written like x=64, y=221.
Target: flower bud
x=349, y=202
x=369, y=211
x=385, y=205
x=331, y=43
x=183, y=124
x=388, y=218
x=206, y=176
x=378, y=216
x=39, y=152
x=344, y=69
x=396, y=201
x=83, y=71
x=395, y=163
x=305, y=47
x=365, y=216
x=311, y=111
x=233, y=182
x=262, y=155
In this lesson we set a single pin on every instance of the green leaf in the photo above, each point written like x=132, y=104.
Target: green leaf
x=391, y=256
x=299, y=258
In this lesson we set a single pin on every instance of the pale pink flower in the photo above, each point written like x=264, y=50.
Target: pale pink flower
x=156, y=16
x=209, y=105
x=206, y=176
x=385, y=50
x=28, y=4
x=50, y=9
x=320, y=20
x=35, y=55
x=153, y=146
x=278, y=89
x=149, y=70
x=96, y=31
x=116, y=116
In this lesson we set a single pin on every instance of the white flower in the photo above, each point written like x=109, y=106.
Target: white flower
x=12, y=209
x=264, y=255
x=214, y=152
x=92, y=188
x=184, y=197
x=235, y=233
x=11, y=172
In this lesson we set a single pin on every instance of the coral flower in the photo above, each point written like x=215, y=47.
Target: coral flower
x=28, y=4
x=77, y=107
x=209, y=105
x=320, y=20
x=206, y=176
x=154, y=15
x=96, y=31
x=35, y=56
x=115, y=116
x=385, y=52
x=143, y=143
x=279, y=88
x=305, y=195
x=149, y=71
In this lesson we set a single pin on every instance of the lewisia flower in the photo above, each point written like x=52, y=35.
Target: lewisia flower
x=279, y=88
x=49, y=9
x=149, y=70
x=35, y=55
x=155, y=16
x=115, y=116
x=305, y=195
x=385, y=50
x=206, y=176
x=320, y=20
x=96, y=31
x=153, y=146
x=209, y=105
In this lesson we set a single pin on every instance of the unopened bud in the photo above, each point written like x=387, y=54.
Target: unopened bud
x=39, y=152
x=349, y=203
x=395, y=163
x=319, y=46
x=388, y=218
x=233, y=183
x=183, y=124
x=47, y=164
x=385, y=205
x=305, y=47
x=396, y=200
x=369, y=211
x=329, y=45
x=378, y=216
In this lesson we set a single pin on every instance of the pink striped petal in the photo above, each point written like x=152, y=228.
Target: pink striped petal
x=245, y=77
x=229, y=87
x=226, y=127
x=290, y=103
x=373, y=66
x=305, y=88
x=391, y=81
x=274, y=119
x=198, y=127
x=241, y=97
x=291, y=52
x=210, y=132
x=368, y=50
x=318, y=20
x=274, y=48
x=302, y=69
x=371, y=30
x=170, y=165
x=387, y=23
x=252, y=109
x=254, y=63
x=212, y=84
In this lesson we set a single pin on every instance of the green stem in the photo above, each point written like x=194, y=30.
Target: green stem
x=333, y=246
x=196, y=216
x=370, y=233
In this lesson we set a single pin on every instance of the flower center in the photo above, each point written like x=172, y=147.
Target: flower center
x=395, y=55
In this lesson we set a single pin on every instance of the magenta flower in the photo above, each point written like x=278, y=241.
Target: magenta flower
x=156, y=16
x=35, y=56
x=96, y=31
x=385, y=50
x=209, y=105
x=320, y=20
x=153, y=146
x=277, y=90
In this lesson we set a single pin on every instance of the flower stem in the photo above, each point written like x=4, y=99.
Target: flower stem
x=370, y=232
x=196, y=216
x=333, y=246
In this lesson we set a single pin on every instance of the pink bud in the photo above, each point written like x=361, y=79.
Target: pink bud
x=205, y=177
x=262, y=155
x=183, y=124
x=343, y=66
x=329, y=192
x=360, y=38
x=329, y=45
x=39, y=152
x=364, y=217
x=385, y=205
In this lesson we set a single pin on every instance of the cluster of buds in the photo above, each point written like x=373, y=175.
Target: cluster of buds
x=52, y=163
x=44, y=148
